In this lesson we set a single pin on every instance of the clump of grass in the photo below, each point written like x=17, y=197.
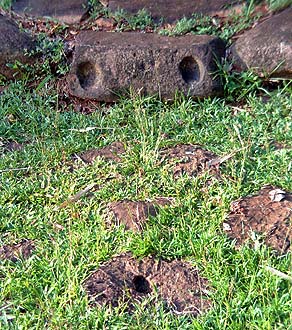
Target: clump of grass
x=279, y=4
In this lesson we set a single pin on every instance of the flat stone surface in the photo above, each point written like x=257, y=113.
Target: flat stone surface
x=266, y=48
x=106, y=65
x=171, y=10
x=67, y=11
x=13, y=44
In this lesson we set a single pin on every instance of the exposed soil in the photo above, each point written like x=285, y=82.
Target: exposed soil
x=11, y=146
x=111, y=153
x=269, y=213
x=190, y=159
x=14, y=252
x=134, y=214
x=128, y=280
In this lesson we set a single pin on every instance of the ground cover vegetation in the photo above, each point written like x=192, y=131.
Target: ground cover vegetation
x=42, y=132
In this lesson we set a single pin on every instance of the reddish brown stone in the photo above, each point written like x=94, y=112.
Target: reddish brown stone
x=172, y=9
x=67, y=11
x=107, y=65
x=13, y=45
x=267, y=48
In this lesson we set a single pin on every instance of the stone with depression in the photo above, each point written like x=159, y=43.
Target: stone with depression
x=107, y=65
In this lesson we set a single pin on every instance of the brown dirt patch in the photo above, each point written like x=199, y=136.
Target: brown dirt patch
x=189, y=159
x=111, y=153
x=134, y=214
x=14, y=252
x=11, y=146
x=269, y=213
x=128, y=280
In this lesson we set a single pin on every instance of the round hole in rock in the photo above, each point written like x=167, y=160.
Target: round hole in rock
x=189, y=69
x=141, y=284
x=86, y=74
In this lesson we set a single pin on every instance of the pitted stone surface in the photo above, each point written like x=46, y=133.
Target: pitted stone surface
x=266, y=48
x=106, y=65
x=171, y=10
x=67, y=11
x=13, y=44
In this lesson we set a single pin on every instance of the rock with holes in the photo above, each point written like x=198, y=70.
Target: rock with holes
x=126, y=280
x=267, y=48
x=14, y=45
x=107, y=65
x=174, y=10
x=67, y=11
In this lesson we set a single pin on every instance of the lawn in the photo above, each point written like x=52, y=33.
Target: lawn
x=251, y=122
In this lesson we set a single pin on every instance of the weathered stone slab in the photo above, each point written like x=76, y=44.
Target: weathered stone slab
x=13, y=44
x=266, y=48
x=106, y=65
x=171, y=10
x=67, y=11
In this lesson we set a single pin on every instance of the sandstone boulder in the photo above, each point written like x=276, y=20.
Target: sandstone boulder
x=13, y=46
x=267, y=48
x=67, y=11
x=106, y=65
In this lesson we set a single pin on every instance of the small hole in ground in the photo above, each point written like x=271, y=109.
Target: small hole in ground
x=189, y=69
x=141, y=284
x=86, y=74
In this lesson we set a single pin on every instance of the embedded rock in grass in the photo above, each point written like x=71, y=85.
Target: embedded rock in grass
x=172, y=10
x=189, y=159
x=267, y=48
x=108, y=65
x=111, y=152
x=67, y=11
x=267, y=214
x=14, y=252
x=134, y=214
x=127, y=280
x=13, y=47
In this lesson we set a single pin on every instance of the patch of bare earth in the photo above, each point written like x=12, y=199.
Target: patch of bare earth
x=134, y=214
x=125, y=279
x=110, y=153
x=14, y=252
x=190, y=159
x=11, y=146
x=269, y=214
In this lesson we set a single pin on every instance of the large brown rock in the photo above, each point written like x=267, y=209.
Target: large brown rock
x=67, y=11
x=107, y=65
x=266, y=48
x=13, y=46
x=171, y=10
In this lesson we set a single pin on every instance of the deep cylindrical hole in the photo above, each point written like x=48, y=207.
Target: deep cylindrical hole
x=86, y=74
x=189, y=69
x=141, y=284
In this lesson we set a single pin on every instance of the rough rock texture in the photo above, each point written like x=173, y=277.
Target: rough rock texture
x=128, y=280
x=67, y=11
x=267, y=48
x=133, y=214
x=13, y=44
x=269, y=214
x=107, y=65
x=172, y=9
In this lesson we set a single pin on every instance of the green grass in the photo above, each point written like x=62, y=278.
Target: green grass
x=46, y=290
